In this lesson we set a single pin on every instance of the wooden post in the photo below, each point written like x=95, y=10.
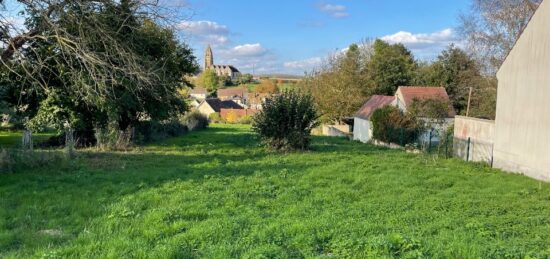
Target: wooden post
x=469, y=102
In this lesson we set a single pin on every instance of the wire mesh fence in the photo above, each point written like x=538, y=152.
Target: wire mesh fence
x=473, y=150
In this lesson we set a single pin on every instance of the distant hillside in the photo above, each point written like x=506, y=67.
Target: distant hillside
x=282, y=77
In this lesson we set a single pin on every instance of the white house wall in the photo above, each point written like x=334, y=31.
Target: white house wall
x=362, y=130
x=522, y=126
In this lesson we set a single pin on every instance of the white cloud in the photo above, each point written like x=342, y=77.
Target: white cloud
x=336, y=11
x=424, y=45
x=421, y=39
x=304, y=65
x=249, y=50
x=207, y=32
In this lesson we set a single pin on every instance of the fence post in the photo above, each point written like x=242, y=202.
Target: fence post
x=446, y=146
x=27, y=140
x=468, y=150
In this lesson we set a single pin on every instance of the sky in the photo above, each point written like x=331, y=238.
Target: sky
x=294, y=36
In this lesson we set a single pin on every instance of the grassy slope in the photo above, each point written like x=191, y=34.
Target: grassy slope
x=215, y=194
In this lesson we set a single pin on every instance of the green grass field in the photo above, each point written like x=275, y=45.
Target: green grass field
x=217, y=194
x=10, y=139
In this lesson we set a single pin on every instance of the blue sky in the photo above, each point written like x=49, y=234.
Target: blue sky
x=291, y=36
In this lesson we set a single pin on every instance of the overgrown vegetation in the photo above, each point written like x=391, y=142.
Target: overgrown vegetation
x=216, y=194
x=390, y=125
x=286, y=121
x=195, y=120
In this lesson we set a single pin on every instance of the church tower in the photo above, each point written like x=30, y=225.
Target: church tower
x=208, y=58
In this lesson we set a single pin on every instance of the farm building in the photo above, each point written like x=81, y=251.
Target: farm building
x=404, y=98
x=521, y=141
x=236, y=94
x=362, y=128
x=214, y=105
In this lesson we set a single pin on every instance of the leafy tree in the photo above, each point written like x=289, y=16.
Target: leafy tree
x=339, y=88
x=209, y=80
x=389, y=67
x=267, y=86
x=491, y=28
x=457, y=71
x=76, y=91
x=286, y=121
x=245, y=79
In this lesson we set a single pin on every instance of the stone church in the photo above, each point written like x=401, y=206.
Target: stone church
x=221, y=70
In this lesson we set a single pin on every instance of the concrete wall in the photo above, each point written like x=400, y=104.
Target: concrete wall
x=336, y=130
x=481, y=134
x=362, y=130
x=522, y=133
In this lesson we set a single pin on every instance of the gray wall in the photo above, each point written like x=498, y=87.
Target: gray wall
x=522, y=133
x=481, y=135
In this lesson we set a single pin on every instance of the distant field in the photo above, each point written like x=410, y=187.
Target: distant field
x=282, y=87
x=217, y=194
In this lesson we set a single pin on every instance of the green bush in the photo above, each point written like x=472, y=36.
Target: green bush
x=390, y=125
x=246, y=119
x=195, y=121
x=150, y=131
x=286, y=121
x=215, y=118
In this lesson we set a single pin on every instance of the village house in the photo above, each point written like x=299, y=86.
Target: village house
x=256, y=100
x=214, y=105
x=198, y=93
x=403, y=99
x=405, y=96
x=362, y=127
x=236, y=94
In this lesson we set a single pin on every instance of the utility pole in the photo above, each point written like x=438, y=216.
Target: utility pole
x=469, y=102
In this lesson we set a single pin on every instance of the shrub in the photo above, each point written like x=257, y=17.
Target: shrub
x=150, y=131
x=390, y=125
x=215, y=118
x=246, y=119
x=232, y=117
x=195, y=121
x=286, y=121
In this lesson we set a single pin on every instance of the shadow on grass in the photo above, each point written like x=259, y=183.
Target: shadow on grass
x=69, y=196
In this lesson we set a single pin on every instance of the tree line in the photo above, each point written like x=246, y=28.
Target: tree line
x=346, y=79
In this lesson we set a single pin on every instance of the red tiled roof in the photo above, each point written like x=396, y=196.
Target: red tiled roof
x=412, y=93
x=198, y=90
x=233, y=91
x=374, y=103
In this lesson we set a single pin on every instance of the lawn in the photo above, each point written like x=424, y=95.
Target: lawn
x=217, y=194
x=10, y=139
